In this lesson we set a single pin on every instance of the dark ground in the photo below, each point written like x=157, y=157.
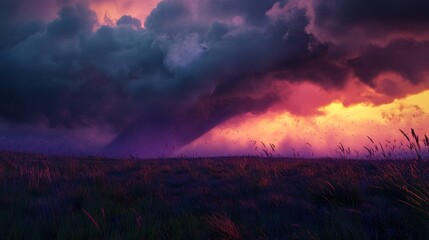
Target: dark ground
x=48, y=197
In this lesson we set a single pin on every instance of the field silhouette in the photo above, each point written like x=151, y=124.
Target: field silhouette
x=54, y=197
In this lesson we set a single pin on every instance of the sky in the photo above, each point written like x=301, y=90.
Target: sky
x=213, y=77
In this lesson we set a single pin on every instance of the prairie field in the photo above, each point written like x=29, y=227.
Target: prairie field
x=54, y=197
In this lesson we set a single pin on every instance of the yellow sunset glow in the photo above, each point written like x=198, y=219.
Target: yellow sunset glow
x=320, y=134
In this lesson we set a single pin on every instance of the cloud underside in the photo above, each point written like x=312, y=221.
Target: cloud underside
x=192, y=65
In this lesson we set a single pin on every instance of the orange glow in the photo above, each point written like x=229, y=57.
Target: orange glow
x=109, y=12
x=318, y=135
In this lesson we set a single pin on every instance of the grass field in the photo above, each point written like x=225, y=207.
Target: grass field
x=49, y=197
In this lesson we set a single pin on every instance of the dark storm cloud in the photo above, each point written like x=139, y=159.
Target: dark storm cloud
x=72, y=21
x=12, y=30
x=252, y=11
x=169, y=16
x=374, y=18
x=223, y=76
x=126, y=19
x=406, y=58
x=320, y=66
x=193, y=66
x=37, y=73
